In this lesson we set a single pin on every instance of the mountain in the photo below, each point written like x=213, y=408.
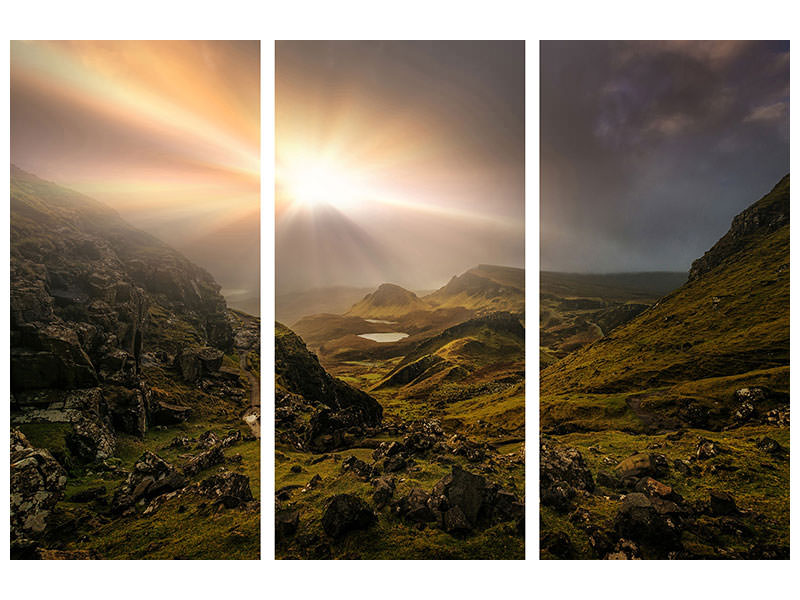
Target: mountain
x=485, y=288
x=388, y=301
x=119, y=347
x=730, y=317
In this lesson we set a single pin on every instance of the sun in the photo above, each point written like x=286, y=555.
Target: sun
x=313, y=181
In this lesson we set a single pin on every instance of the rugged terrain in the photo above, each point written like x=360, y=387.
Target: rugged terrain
x=668, y=437
x=130, y=379
x=406, y=449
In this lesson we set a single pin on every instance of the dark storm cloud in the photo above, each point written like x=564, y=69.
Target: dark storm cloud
x=648, y=149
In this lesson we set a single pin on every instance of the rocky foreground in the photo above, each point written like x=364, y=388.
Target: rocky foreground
x=681, y=494
x=353, y=483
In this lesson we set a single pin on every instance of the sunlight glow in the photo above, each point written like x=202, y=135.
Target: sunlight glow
x=315, y=181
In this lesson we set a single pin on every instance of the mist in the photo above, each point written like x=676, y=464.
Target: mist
x=166, y=133
x=421, y=149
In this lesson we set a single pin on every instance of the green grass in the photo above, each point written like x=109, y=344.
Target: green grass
x=391, y=537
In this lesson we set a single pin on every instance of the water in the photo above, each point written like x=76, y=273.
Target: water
x=382, y=338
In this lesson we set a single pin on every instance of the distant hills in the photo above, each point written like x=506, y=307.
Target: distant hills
x=388, y=301
x=482, y=290
x=730, y=317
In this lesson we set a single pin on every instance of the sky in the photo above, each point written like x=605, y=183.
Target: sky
x=167, y=133
x=649, y=149
x=398, y=162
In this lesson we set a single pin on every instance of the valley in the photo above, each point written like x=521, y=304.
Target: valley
x=664, y=408
x=407, y=447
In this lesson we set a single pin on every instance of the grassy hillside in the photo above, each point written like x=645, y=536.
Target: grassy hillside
x=669, y=436
x=732, y=320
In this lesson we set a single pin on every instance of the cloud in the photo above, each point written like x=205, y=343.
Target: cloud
x=768, y=112
x=648, y=148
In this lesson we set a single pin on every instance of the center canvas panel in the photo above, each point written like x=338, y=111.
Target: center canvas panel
x=400, y=300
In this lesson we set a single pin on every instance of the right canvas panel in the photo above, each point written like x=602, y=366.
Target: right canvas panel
x=664, y=320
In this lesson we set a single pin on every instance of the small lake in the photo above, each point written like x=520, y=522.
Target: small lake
x=381, y=321
x=382, y=338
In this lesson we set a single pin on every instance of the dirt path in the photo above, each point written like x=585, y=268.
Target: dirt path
x=252, y=415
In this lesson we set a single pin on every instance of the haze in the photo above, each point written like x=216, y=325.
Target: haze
x=649, y=149
x=397, y=162
x=167, y=133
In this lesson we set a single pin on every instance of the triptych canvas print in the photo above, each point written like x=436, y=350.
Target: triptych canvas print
x=395, y=364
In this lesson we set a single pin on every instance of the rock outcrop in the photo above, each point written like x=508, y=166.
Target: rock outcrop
x=37, y=484
x=334, y=411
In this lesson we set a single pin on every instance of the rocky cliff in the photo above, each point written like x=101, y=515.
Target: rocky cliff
x=92, y=298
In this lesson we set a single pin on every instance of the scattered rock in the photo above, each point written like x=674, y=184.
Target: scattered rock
x=345, y=513
x=204, y=460
x=384, y=490
x=562, y=474
x=151, y=477
x=230, y=489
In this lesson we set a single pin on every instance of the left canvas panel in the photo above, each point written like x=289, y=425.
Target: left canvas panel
x=134, y=327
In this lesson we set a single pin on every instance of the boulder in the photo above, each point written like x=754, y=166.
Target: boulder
x=164, y=413
x=204, y=460
x=384, y=490
x=706, y=449
x=359, y=467
x=648, y=520
x=722, y=503
x=228, y=488
x=462, y=489
x=37, y=483
x=195, y=363
x=415, y=506
x=641, y=465
x=345, y=513
x=151, y=476
x=90, y=441
x=286, y=523
x=562, y=474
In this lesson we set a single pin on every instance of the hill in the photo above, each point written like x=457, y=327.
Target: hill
x=578, y=309
x=490, y=343
x=730, y=317
x=119, y=347
x=669, y=436
x=388, y=301
x=485, y=288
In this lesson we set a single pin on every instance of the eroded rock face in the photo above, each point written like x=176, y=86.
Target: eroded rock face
x=196, y=363
x=765, y=216
x=37, y=484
